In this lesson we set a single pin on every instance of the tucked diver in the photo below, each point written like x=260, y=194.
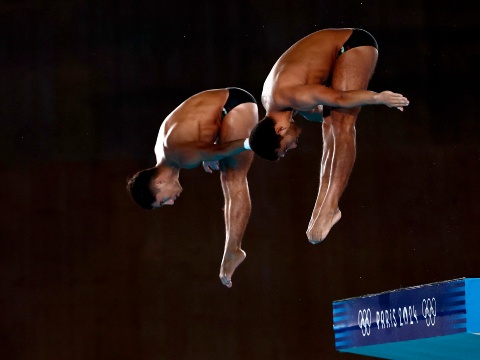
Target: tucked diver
x=209, y=127
x=327, y=70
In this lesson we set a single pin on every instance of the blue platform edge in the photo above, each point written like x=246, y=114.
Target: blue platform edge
x=428, y=321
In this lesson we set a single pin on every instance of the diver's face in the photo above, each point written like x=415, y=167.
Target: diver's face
x=290, y=140
x=166, y=193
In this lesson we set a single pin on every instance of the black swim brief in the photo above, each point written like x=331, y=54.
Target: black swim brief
x=359, y=37
x=236, y=96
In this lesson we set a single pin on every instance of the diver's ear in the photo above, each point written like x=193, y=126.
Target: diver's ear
x=280, y=130
x=158, y=181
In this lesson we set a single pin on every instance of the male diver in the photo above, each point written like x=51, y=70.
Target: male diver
x=210, y=127
x=322, y=77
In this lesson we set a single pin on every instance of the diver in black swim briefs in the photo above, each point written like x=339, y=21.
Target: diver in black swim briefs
x=329, y=68
x=197, y=133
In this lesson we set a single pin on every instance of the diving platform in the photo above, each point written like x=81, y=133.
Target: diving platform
x=433, y=321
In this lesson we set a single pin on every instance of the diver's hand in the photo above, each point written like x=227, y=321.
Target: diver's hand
x=209, y=166
x=392, y=99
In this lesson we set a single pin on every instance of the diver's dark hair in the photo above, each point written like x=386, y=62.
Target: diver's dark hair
x=138, y=186
x=264, y=141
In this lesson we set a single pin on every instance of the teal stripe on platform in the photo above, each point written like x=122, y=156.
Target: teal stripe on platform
x=452, y=347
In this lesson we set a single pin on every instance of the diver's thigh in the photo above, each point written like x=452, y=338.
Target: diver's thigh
x=239, y=122
x=354, y=68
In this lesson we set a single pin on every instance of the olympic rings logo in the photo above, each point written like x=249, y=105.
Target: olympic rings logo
x=429, y=310
x=365, y=321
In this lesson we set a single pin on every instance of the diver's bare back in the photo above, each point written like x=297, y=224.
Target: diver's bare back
x=310, y=60
x=196, y=119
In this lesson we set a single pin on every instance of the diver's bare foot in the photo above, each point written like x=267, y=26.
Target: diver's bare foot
x=319, y=227
x=230, y=261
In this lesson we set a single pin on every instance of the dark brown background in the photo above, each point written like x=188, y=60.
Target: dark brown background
x=84, y=86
